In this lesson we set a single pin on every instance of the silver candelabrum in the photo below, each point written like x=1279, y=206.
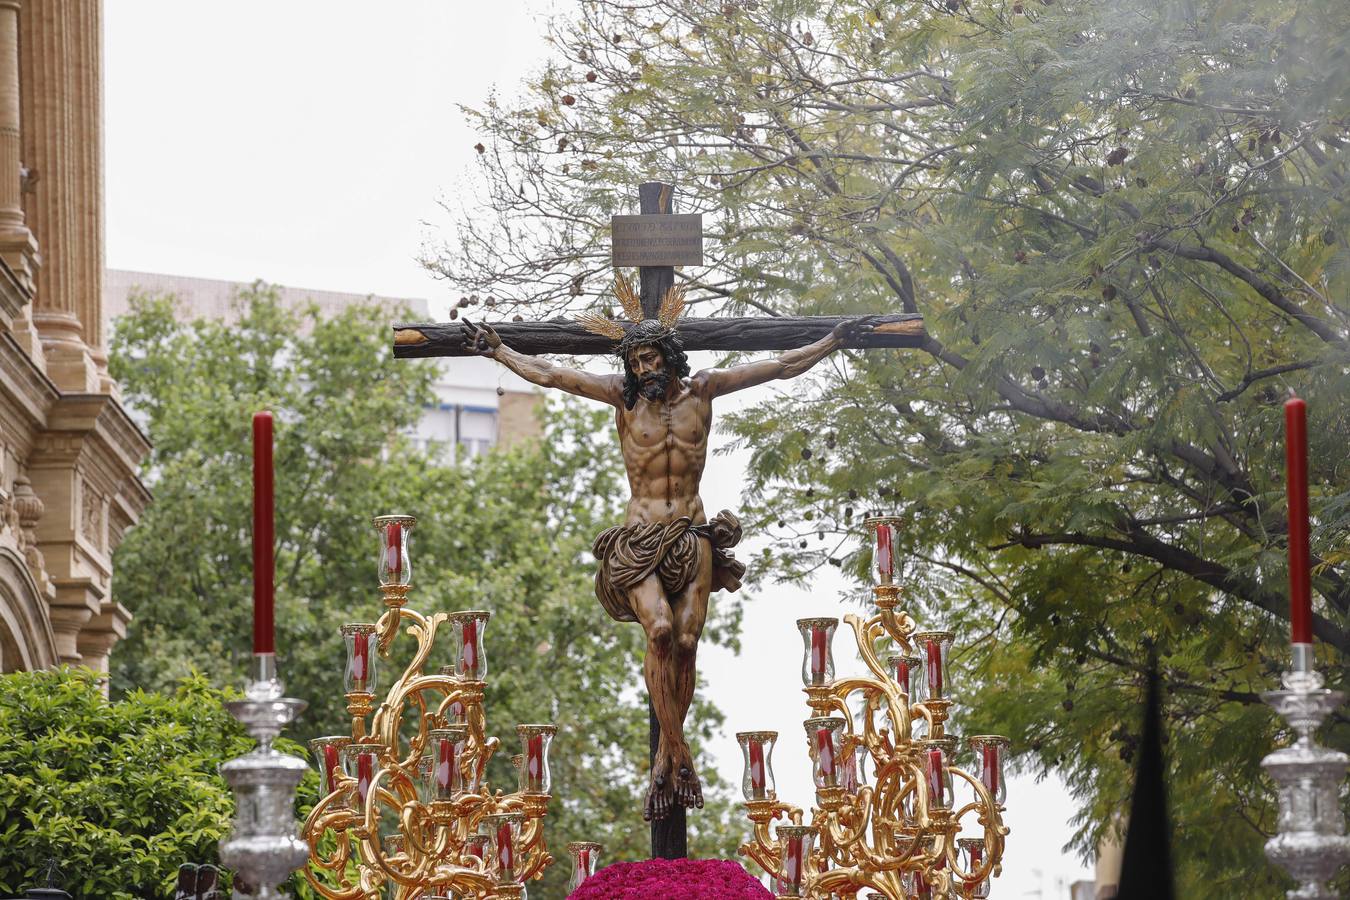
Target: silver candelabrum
x=262, y=847
x=1311, y=843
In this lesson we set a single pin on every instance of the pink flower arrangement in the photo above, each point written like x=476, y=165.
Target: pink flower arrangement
x=672, y=879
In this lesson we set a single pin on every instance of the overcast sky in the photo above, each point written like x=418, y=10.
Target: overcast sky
x=306, y=143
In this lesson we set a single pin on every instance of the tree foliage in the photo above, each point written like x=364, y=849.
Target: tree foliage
x=119, y=794
x=509, y=533
x=1125, y=225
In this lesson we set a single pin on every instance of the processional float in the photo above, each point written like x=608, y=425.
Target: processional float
x=903, y=836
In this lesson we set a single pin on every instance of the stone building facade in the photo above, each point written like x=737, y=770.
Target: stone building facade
x=69, y=452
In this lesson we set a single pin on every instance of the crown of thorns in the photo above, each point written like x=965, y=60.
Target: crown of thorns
x=642, y=331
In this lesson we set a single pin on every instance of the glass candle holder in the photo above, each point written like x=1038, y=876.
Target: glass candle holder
x=585, y=860
x=990, y=752
x=757, y=753
x=936, y=758
x=885, y=530
x=934, y=647
x=361, y=761
x=797, y=841
x=395, y=567
x=446, y=746
x=852, y=774
x=328, y=757
x=826, y=736
x=361, y=640
x=535, y=740
x=475, y=846
x=468, y=627
x=905, y=669
x=972, y=857
x=818, y=659
x=518, y=760
x=503, y=834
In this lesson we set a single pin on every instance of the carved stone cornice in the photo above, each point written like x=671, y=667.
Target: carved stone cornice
x=26, y=394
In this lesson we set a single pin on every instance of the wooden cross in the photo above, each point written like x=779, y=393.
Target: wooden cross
x=732, y=333
x=657, y=241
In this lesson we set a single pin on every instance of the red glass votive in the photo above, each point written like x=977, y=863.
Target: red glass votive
x=935, y=647
x=476, y=846
x=936, y=756
x=395, y=566
x=818, y=659
x=905, y=669
x=535, y=740
x=826, y=736
x=445, y=746
x=797, y=841
x=328, y=757
x=990, y=752
x=503, y=831
x=468, y=627
x=757, y=781
x=886, y=530
x=362, y=763
x=972, y=849
x=585, y=860
x=361, y=640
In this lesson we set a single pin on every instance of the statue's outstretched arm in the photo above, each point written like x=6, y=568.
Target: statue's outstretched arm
x=485, y=342
x=786, y=365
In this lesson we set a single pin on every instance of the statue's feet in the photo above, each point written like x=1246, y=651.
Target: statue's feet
x=660, y=795
x=688, y=789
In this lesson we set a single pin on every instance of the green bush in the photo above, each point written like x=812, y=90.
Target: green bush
x=118, y=793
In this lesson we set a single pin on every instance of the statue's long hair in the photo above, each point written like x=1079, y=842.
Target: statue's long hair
x=667, y=343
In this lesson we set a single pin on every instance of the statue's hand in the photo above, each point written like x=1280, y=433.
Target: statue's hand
x=481, y=339
x=849, y=329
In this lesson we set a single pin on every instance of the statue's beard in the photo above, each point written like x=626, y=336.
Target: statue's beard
x=653, y=386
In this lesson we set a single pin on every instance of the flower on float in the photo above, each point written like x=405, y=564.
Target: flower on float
x=672, y=879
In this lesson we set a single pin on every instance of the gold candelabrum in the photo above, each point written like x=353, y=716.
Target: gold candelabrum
x=901, y=837
x=406, y=811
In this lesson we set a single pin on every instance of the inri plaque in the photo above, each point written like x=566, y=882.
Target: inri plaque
x=675, y=240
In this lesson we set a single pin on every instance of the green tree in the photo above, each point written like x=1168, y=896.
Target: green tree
x=118, y=794
x=1125, y=226
x=509, y=533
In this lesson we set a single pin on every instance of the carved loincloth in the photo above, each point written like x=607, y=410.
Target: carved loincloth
x=629, y=553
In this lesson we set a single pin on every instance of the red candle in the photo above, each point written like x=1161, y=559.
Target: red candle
x=756, y=767
x=1296, y=469
x=819, y=653
x=935, y=779
x=989, y=768
x=360, y=660
x=264, y=565
x=934, y=655
x=445, y=768
x=330, y=766
x=506, y=850
x=534, y=761
x=395, y=548
x=825, y=748
x=885, y=560
x=468, y=657
x=365, y=773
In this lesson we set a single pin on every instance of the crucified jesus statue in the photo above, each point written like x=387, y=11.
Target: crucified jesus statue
x=660, y=566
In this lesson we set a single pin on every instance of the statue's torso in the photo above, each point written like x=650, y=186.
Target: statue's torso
x=665, y=446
